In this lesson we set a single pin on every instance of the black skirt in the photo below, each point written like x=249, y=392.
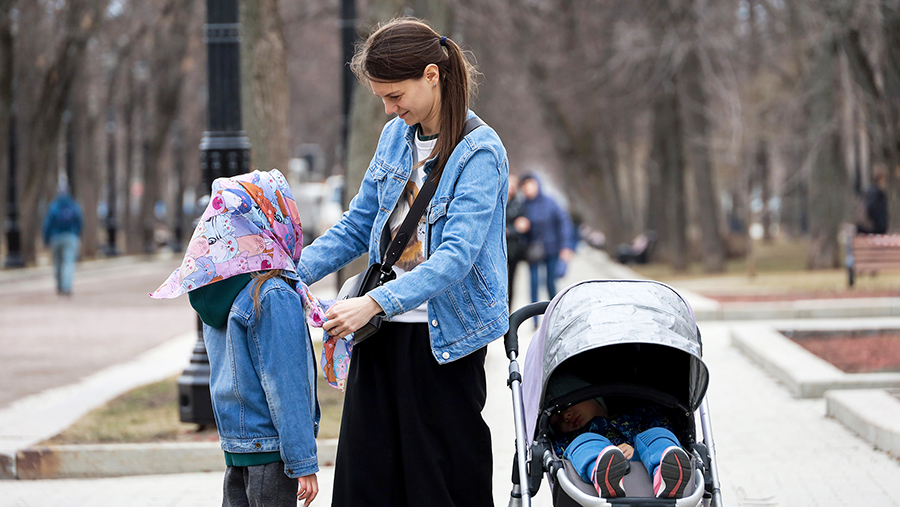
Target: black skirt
x=412, y=433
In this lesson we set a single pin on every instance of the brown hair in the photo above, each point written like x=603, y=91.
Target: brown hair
x=260, y=278
x=400, y=50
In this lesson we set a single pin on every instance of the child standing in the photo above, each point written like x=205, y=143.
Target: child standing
x=598, y=443
x=239, y=272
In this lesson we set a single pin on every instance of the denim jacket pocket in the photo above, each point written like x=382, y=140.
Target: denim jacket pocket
x=438, y=210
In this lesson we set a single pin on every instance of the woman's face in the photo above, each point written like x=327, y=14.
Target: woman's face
x=413, y=100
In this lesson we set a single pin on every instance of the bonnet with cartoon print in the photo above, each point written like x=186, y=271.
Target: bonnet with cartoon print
x=252, y=224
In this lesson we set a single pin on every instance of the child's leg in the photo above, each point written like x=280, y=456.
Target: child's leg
x=599, y=462
x=259, y=485
x=583, y=452
x=669, y=466
x=650, y=445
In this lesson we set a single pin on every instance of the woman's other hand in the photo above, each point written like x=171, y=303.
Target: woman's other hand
x=307, y=488
x=346, y=316
x=566, y=254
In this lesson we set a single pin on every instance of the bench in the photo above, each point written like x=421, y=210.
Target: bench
x=871, y=253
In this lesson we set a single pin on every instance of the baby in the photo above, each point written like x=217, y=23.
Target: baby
x=598, y=443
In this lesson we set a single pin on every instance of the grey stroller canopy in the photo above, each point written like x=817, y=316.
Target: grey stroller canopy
x=618, y=315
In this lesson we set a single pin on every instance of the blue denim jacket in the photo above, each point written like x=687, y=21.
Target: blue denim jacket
x=463, y=277
x=263, y=378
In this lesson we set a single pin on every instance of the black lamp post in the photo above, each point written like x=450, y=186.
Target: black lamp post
x=348, y=38
x=111, y=250
x=14, y=257
x=224, y=151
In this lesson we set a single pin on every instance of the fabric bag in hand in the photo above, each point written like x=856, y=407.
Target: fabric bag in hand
x=359, y=285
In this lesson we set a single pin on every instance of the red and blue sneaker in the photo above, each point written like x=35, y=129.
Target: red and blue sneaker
x=673, y=473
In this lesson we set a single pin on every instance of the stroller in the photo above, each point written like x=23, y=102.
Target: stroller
x=634, y=342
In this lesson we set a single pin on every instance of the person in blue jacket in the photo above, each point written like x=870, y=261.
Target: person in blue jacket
x=412, y=432
x=551, y=238
x=62, y=233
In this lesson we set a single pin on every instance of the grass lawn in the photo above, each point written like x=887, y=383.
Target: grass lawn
x=780, y=269
x=150, y=414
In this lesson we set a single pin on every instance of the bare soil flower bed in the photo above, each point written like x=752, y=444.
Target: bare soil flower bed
x=855, y=352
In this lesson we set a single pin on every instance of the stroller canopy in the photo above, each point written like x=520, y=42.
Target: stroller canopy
x=615, y=315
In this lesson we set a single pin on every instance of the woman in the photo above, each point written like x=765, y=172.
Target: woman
x=412, y=431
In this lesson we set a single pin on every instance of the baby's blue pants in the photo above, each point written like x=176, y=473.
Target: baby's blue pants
x=648, y=447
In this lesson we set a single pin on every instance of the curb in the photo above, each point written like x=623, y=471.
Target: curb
x=802, y=372
x=874, y=414
x=117, y=460
x=801, y=309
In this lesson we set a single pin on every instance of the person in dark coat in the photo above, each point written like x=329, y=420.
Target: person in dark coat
x=550, y=236
x=516, y=228
x=875, y=219
x=62, y=233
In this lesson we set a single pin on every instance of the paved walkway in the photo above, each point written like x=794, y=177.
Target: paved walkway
x=772, y=449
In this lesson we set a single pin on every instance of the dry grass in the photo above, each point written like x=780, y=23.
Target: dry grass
x=780, y=268
x=150, y=414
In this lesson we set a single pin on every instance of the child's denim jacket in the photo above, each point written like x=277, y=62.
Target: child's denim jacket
x=263, y=378
x=463, y=277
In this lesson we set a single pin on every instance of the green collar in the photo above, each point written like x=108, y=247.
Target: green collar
x=213, y=302
x=423, y=137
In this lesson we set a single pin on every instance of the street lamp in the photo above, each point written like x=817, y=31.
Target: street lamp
x=111, y=250
x=224, y=151
x=14, y=257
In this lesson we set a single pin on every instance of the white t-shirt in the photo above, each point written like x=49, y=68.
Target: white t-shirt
x=414, y=253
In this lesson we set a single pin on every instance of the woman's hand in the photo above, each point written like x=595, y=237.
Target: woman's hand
x=349, y=315
x=566, y=254
x=627, y=450
x=307, y=488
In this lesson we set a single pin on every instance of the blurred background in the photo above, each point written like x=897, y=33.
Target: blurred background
x=708, y=122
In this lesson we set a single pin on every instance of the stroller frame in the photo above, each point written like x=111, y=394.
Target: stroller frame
x=533, y=459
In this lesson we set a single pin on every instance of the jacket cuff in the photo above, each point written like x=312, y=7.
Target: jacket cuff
x=388, y=303
x=301, y=468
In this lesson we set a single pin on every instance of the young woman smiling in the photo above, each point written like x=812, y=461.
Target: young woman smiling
x=412, y=431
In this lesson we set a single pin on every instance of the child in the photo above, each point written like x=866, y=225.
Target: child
x=239, y=271
x=598, y=443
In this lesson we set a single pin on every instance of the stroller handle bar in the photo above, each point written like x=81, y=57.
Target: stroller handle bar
x=511, y=341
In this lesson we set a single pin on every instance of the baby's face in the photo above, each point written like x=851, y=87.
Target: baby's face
x=576, y=416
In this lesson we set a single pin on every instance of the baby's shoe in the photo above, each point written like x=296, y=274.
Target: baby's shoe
x=609, y=471
x=673, y=473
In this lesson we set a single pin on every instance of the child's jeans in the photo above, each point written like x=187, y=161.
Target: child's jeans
x=648, y=447
x=259, y=486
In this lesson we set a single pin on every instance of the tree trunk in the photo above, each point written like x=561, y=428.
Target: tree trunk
x=691, y=81
x=6, y=103
x=828, y=179
x=86, y=168
x=171, y=42
x=266, y=97
x=81, y=21
x=665, y=193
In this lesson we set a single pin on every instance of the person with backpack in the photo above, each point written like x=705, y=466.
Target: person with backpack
x=62, y=233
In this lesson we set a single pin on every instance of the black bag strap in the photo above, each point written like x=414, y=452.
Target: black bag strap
x=417, y=209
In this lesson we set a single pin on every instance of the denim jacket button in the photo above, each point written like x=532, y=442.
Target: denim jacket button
x=446, y=355
x=434, y=322
x=258, y=445
x=291, y=471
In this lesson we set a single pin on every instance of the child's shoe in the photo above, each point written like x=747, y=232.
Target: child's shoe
x=673, y=473
x=609, y=471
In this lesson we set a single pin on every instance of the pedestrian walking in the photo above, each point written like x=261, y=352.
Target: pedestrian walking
x=240, y=274
x=551, y=237
x=412, y=432
x=62, y=233
x=516, y=228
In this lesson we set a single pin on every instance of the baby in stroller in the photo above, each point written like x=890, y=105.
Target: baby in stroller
x=599, y=444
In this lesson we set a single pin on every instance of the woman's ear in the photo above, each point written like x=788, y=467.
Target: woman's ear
x=432, y=74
